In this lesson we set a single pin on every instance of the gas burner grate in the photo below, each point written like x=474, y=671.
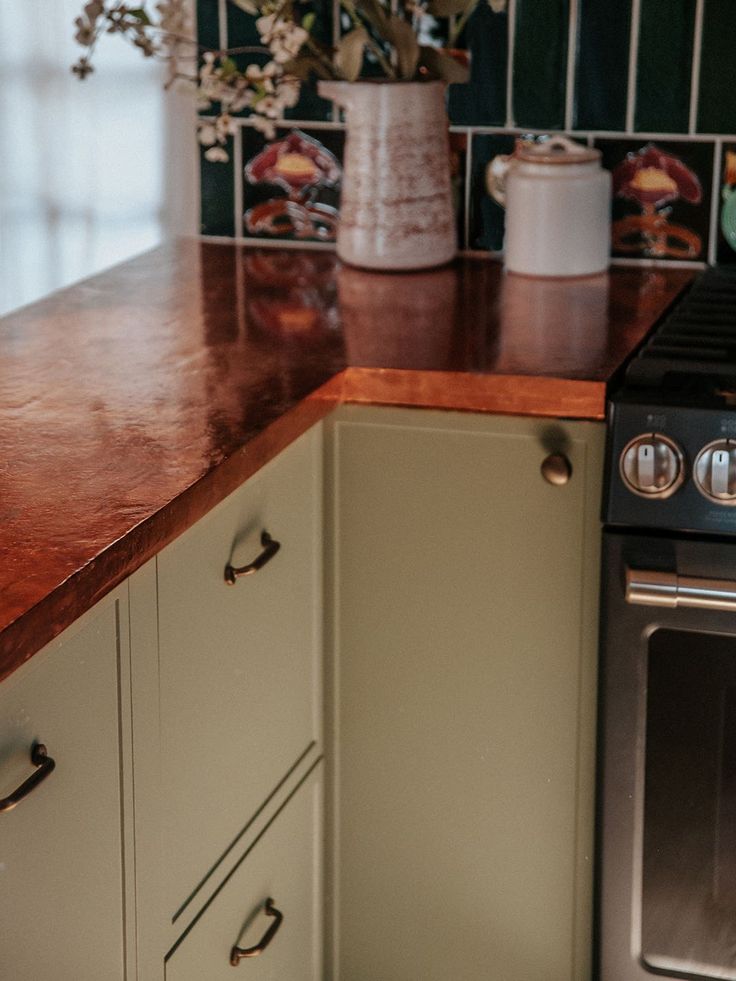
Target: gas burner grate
x=698, y=338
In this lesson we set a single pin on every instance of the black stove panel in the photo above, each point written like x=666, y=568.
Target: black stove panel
x=691, y=428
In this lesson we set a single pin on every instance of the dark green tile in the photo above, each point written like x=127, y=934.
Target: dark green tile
x=458, y=158
x=208, y=29
x=602, y=64
x=487, y=218
x=664, y=66
x=241, y=28
x=218, y=190
x=241, y=32
x=540, y=63
x=717, y=98
x=482, y=101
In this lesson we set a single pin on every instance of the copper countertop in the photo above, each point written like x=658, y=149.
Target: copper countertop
x=131, y=403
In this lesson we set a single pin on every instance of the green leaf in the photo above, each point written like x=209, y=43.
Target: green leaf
x=306, y=65
x=349, y=7
x=308, y=21
x=375, y=13
x=401, y=35
x=350, y=51
x=228, y=67
x=248, y=6
x=141, y=16
x=448, y=8
x=440, y=65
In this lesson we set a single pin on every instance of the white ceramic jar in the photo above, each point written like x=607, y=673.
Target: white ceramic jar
x=558, y=208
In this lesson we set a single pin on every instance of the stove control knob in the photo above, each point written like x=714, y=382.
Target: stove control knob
x=652, y=465
x=715, y=471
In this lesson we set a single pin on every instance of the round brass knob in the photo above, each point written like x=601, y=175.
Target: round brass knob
x=556, y=469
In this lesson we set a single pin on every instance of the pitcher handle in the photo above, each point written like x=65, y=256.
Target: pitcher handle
x=496, y=172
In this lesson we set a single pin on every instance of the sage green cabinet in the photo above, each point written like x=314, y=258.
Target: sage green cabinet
x=62, y=887
x=461, y=673
x=283, y=864
x=239, y=666
x=458, y=593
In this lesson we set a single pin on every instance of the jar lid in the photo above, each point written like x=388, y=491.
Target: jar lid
x=557, y=150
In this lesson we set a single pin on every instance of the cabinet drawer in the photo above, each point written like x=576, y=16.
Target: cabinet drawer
x=282, y=865
x=61, y=888
x=239, y=664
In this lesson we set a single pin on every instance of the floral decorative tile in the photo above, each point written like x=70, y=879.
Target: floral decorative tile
x=661, y=198
x=291, y=185
x=726, y=244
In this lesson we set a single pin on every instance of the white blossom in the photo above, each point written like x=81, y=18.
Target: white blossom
x=289, y=90
x=207, y=134
x=173, y=17
x=283, y=37
x=265, y=126
x=216, y=154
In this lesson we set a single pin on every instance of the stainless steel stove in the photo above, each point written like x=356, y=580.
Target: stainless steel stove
x=667, y=788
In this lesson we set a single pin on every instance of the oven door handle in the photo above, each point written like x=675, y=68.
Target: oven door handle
x=651, y=588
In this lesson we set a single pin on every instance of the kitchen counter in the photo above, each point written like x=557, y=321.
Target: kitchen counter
x=135, y=401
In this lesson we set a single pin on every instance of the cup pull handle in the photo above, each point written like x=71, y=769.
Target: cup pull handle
x=44, y=765
x=238, y=953
x=270, y=548
x=556, y=469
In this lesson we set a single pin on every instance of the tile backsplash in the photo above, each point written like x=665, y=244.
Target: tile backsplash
x=648, y=82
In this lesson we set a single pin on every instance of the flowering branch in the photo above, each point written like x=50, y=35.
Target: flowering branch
x=289, y=54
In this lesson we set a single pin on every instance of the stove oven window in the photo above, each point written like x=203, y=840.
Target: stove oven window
x=688, y=921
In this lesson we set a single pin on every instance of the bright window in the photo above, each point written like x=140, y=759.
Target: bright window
x=91, y=172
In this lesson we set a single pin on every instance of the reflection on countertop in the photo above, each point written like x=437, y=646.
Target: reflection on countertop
x=133, y=402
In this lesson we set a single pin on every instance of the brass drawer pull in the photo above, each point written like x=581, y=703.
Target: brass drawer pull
x=44, y=765
x=270, y=548
x=238, y=953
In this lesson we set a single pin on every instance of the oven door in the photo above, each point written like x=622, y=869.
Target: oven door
x=667, y=793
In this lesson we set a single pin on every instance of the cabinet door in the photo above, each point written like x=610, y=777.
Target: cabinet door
x=282, y=865
x=240, y=665
x=61, y=883
x=464, y=693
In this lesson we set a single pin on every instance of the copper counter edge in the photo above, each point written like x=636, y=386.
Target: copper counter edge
x=453, y=391
x=33, y=629
x=526, y=395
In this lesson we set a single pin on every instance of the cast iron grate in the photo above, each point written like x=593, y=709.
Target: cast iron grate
x=697, y=339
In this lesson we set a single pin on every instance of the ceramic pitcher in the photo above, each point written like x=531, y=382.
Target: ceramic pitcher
x=396, y=204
